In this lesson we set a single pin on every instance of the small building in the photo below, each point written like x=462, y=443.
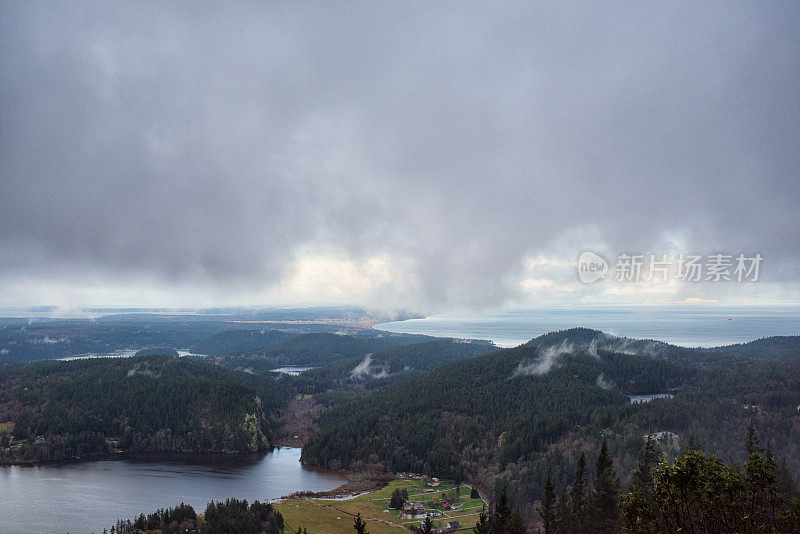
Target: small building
x=452, y=525
x=414, y=507
x=434, y=482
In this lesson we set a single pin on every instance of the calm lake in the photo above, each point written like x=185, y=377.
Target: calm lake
x=89, y=496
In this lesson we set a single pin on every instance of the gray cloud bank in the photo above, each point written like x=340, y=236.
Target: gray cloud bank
x=193, y=141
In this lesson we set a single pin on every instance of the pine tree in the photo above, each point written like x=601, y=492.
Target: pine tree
x=578, y=497
x=396, y=500
x=547, y=508
x=563, y=515
x=784, y=481
x=692, y=445
x=642, y=478
x=360, y=525
x=640, y=501
x=516, y=525
x=426, y=527
x=605, y=494
x=752, y=439
x=482, y=526
x=502, y=513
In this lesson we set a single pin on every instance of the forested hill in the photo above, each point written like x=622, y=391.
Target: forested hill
x=241, y=341
x=591, y=340
x=59, y=410
x=377, y=369
x=507, y=417
x=313, y=350
x=768, y=347
x=585, y=338
x=48, y=339
x=52, y=339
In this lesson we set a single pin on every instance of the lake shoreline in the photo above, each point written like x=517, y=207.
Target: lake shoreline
x=355, y=482
x=88, y=496
x=145, y=456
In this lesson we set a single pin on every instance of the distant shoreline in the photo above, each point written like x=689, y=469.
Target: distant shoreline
x=684, y=326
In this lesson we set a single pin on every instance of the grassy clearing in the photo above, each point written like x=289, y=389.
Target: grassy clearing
x=336, y=517
x=332, y=517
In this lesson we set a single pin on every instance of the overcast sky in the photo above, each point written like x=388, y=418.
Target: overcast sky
x=425, y=156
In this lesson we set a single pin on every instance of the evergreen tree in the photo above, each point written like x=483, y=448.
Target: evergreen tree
x=692, y=445
x=700, y=493
x=785, y=482
x=578, y=497
x=642, y=478
x=563, y=515
x=360, y=525
x=502, y=513
x=426, y=527
x=396, y=500
x=547, y=509
x=605, y=494
x=482, y=526
x=752, y=440
x=641, y=501
x=516, y=524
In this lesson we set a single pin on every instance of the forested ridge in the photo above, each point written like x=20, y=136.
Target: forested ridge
x=64, y=410
x=315, y=349
x=501, y=420
x=376, y=370
x=505, y=420
x=52, y=339
x=241, y=341
x=52, y=411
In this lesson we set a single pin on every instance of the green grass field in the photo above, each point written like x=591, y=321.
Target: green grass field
x=336, y=516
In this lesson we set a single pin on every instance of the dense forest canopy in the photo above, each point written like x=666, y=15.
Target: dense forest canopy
x=376, y=370
x=216, y=332
x=241, y=341
x=315, y=349
x=61, y=410
x=506, y=418
x=229, y=516
x=53, y=339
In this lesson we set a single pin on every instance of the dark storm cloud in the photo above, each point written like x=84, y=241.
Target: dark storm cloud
x=206, y=142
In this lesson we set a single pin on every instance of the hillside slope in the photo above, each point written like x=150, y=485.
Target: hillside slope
x=60, y=410
x=508, y=416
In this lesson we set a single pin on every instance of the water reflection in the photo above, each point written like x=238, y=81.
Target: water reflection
x=86, y=497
